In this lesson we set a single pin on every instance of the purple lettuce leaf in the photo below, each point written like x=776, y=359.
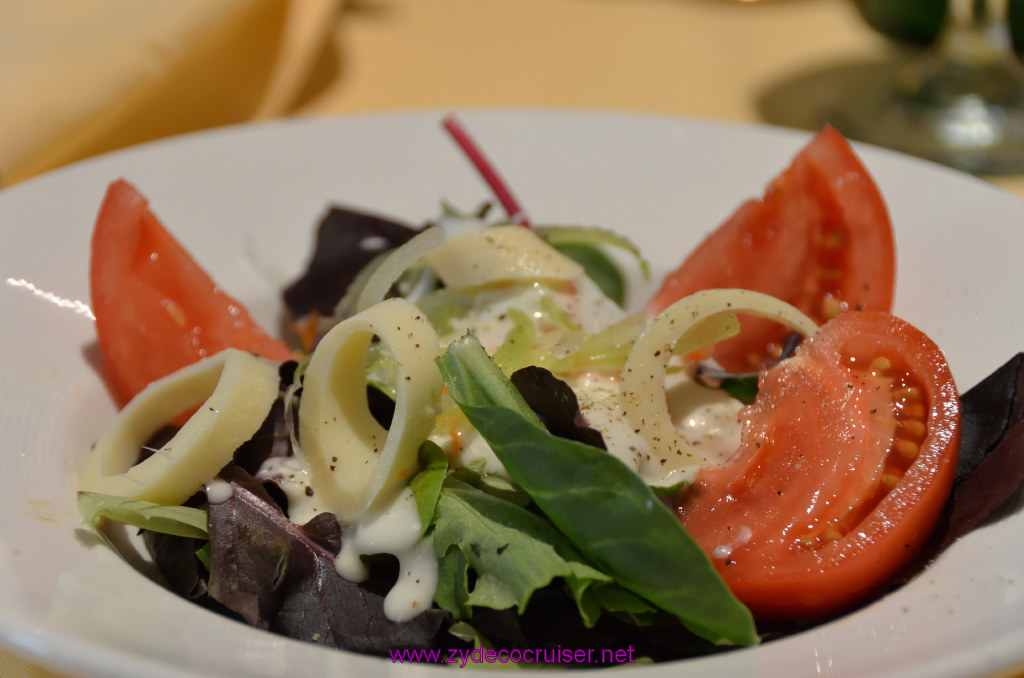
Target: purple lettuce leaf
x=989, y=410
x=176, y=559
x=346, y=241
x=556, y=405
x=272, y=438
x=279, y=576
x=991, y=465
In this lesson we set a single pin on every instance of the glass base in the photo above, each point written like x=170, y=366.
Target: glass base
x=980, y=131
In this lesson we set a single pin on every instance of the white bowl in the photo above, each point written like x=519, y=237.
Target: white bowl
x=245, y=202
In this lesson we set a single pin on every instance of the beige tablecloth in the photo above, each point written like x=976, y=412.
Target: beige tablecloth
x=79, y=78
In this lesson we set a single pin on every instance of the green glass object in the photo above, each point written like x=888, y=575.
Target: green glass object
x=918, y=22
x=960, y=102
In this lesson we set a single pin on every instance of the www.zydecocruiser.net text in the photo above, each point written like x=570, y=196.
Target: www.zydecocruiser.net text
x=464, y=657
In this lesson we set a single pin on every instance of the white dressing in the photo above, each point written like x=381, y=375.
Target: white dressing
x=601, y=407
x=467, y=448
x=291, y=474
x=218, y=491
x=589, y=307
x=707, y=418
x=393, y=528
x=723, y=551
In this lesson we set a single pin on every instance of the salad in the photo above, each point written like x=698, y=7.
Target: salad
x=515, y=502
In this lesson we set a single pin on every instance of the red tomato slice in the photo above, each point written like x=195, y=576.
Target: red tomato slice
x=845, y=462
x=156, y=309
x=820, y=239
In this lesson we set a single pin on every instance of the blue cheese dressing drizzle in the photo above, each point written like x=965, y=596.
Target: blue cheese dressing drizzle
x=218, y=491
x=393, y=528
x=291, y=474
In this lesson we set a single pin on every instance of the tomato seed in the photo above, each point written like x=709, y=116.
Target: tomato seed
x=916, y=410
x=831, y=534
x=834, y=240
x=880, y=365
x=831, y=306
x=908, y=449
x=909, y=393
x=915, y=427
x=175, y=312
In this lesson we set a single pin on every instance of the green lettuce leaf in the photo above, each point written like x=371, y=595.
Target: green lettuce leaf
x=491, y=483
x=513, y=552
x=606, y=511
x=605, y=351
x=598, y=266
x=558, y=236
x=181, y=521
x=426, y=485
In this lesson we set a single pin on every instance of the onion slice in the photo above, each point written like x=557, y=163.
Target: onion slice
x=236, y=391
x=500, y=254
x=396, y=263
x=352, y=459
x=688, y=325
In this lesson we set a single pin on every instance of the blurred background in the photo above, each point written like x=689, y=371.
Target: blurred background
x=83, y=77
x=79, y=78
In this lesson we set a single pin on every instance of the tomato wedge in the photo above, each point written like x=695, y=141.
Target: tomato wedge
x=156, y=309
x=820, y=239
x=846, y=460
